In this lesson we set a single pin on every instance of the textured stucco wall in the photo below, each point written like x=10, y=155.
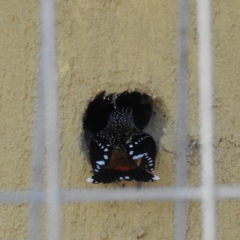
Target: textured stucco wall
x=18, y=49
x=116, y=46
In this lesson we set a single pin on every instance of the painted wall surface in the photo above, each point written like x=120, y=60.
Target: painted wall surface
x=116, y=46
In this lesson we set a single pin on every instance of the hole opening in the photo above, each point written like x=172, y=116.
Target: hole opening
x=148, y=114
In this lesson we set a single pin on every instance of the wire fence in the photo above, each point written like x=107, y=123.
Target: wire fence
x=47, y=120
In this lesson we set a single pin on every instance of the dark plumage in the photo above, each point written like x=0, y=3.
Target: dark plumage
x=121, y=151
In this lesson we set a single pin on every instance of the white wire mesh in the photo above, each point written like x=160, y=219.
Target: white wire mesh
x=182, y=118
x=208, y=193
x=206, y=117
x=47, y=106
x=128, y=194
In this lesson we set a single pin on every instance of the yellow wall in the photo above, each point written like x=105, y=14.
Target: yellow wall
x=115, y=46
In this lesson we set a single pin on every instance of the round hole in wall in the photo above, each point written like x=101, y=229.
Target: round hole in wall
x=146, y=112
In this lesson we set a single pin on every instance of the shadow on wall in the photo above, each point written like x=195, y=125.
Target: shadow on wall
x=149, y=115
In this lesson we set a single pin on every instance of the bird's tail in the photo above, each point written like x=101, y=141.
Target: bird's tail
x=107, y=175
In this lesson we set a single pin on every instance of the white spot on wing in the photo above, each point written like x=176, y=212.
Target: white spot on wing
x=131, y=152
x=126, y=177
x=138, y=156
x=156, y=177
x=130, y=145
x=101, y=162
x=90, y=179
x=105, y=157
x=106, y=149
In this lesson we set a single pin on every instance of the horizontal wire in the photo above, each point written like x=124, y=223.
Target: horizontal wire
x=127, y=194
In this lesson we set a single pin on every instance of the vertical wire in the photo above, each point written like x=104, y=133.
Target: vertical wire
x=206, y=92
x=182, y=118
x=37, y=159
x=48, y=68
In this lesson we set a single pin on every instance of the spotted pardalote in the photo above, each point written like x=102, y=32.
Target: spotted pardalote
x=121, y=151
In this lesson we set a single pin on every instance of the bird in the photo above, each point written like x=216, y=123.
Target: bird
x=121, y=151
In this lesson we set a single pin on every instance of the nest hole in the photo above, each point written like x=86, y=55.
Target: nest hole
x=148, y=114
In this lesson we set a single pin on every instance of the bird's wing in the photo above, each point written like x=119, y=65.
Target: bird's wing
x=142, y=146
x=100, y=151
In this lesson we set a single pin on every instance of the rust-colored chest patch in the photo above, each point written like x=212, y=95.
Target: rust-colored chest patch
x=121, y=162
